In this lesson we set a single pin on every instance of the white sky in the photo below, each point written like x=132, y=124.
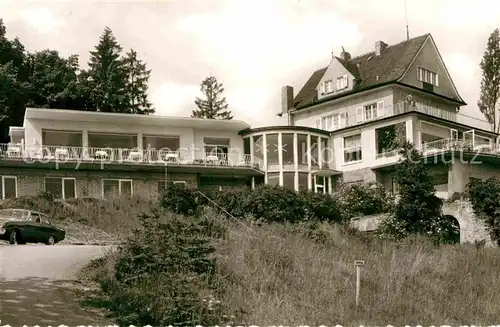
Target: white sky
x=254, y=46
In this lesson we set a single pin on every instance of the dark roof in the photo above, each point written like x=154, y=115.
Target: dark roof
x=372, y=70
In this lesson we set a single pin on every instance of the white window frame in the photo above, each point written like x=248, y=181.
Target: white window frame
x=370, y=111
x=62, y=184
x=344, y=150
x=328, y=86
x=120, y=180
x=322, y=186
x=342, y=82
x=427, y=76
x=3, y=185
x=180, y=182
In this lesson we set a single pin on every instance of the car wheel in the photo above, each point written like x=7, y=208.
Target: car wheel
x=13, y=237
x=51, y=240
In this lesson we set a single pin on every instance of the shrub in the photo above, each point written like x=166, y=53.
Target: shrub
x=164, y=275
x=418, y=210
x=180, y=199
x=322, y=206
x=364, y=199
x=235, y=201
x=485, y=199
x=277, y=204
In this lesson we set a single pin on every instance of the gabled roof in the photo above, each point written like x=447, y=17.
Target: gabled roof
x=372, y=70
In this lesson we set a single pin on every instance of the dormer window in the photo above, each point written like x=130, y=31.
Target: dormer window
x=427, y=76
x=328, y=86
x=342, y=82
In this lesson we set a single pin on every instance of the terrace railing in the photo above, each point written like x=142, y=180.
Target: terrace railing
x=47, y=153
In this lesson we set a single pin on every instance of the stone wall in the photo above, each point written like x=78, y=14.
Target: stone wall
x=471, y=228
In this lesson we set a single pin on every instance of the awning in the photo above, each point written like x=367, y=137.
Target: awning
x=326, y=172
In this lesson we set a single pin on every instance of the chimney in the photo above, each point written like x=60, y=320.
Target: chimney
x=379, y=47
x=345, y=55
x=286, y=99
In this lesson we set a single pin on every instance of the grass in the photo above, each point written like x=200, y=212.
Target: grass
x=289, y=275
x=88, y=220
x=276, y=274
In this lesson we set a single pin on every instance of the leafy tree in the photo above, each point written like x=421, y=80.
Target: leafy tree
x=214, y=106
x=418, y=210
x=13, y=84
x=490, y=82
x=53, y=80
x=137, y=84
x=107, y=75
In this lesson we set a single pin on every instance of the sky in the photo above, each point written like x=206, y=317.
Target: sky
x=254, y=47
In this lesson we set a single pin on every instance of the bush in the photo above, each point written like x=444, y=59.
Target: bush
x=181, y=199
x=418, y=210
x=364, y=199
x=323, y=207
x=164, y=275
x=485, y=199
x=236, y=201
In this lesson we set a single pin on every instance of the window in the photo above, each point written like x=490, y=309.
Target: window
x=319, y=184
x=118, y=141
x=272, y=149
x=352, y=148
x=35, y=217
x=61, y=187
x=165, y=143
x=116, y=187
x=216, y=146
x=302, y=148
x=62, y=138
x=289, y=180
x=427, y=76
x=287, y=150
x=9, y=187
x=303, y=181
x=370, y=111
x=246, y=145
x=273, y=179
x=314, y=151
x=44, y=219
x=328, y=86
x=342, y=82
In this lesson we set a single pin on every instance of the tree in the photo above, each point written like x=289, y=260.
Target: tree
x=13, y=83
x=107, y=75
x=418, y=210
x=53, y=80
x=136, y=85
x=214, y=105
x=490, y=82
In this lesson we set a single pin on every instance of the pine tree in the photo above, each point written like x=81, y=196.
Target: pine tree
x=137, y=85
x=490, y=82
x=107, y=75
x=214, y=106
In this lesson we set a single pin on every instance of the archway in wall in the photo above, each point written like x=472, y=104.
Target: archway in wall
x=451, y=235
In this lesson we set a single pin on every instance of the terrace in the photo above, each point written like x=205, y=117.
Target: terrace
x=150, y=156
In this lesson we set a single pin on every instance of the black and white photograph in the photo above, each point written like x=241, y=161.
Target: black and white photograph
x=202, y=163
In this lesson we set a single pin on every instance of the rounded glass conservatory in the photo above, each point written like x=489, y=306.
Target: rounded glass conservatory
x=295, y=157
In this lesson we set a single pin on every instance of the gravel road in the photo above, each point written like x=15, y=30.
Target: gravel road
x=37, y=285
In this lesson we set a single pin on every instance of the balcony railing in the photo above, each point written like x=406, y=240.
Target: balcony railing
x=444, y=145
x=62, y=154
x=353, y=119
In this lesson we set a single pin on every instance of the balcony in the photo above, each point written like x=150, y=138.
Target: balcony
x=62, y=154
x=347, y=120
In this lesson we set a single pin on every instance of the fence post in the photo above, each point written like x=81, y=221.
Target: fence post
x=358, y=264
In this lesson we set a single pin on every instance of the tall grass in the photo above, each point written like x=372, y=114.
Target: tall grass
x=284, y=276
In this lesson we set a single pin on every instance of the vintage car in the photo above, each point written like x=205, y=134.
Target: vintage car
x=20, y=226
